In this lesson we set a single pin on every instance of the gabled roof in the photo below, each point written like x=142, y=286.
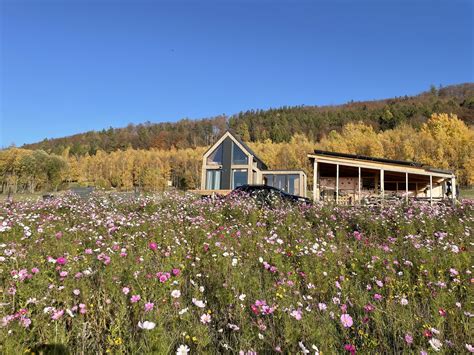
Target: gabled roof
x=242, y=143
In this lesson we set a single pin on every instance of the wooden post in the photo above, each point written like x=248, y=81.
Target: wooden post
x=431, y=189
x=360, y=183
x=337, y=183
x=382, y=183
x=315, y=180
x=453, y=189
x=406, y=187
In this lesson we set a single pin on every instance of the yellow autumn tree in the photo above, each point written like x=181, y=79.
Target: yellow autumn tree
x=445, y=141
x=355, y=138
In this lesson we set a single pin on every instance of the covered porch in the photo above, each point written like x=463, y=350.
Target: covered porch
x=354, y=179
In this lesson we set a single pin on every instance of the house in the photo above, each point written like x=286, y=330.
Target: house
x=351, y=179
x=230, y=163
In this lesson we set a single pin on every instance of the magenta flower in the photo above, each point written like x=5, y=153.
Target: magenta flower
x=153, y=246
x=378, y=297
x=351, y=348
x=61, y=260
x=408, y=338
x=176, y=272
x=346, y=320
x=149, y=306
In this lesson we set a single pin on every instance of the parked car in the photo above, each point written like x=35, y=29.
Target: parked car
x=269, y=194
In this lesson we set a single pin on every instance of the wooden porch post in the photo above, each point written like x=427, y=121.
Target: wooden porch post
x=337, y=183
x=315, y=181
x=360, y=181
x=431, y=189
x=382, y=183
x=406, y=187
x=453, y=189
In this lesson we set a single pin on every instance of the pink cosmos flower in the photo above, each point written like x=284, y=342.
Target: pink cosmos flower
x=57, y=314
x=153, y=246
x=408, y=338
x=378, y=297
x=35, y=270
x=149, y=306
x=322, y=306
x=61, y=260
x=135, y=298
x=296, y=314
x=125, y=290
x=25, y=322
x=77, y=292
x=346, y=320
x=176, y=272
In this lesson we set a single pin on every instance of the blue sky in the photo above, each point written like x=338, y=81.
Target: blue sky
x=73, y=66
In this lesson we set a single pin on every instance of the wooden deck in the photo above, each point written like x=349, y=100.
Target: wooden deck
x=211, y=192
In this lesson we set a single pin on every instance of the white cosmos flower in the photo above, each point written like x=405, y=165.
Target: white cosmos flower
x=436, y=344
x=205, y=318
x=176, y=293
x=199, y=303
x=182, y=350
x=146, y=325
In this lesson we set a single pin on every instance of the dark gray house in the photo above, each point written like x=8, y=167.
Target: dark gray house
x=230, y=163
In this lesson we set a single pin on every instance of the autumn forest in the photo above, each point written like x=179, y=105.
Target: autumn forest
x=435, y=128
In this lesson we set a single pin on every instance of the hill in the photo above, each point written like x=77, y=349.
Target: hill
x=278, y=124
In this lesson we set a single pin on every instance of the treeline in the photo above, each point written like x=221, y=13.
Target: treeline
x=278, y=125
x=23, y=170
x=444, y=141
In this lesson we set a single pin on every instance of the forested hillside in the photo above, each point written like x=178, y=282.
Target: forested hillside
x=278, y=125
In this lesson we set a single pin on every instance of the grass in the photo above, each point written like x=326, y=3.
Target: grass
x=229, y=276
x=467, y=193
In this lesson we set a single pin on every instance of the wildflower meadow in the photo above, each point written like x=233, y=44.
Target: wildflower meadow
x=173, y=273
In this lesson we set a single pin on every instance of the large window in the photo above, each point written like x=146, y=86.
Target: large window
x=238, y=156
x=294, y=184
x=239, y=178
x=215, y=158
x=213, y=179
x=287, y=182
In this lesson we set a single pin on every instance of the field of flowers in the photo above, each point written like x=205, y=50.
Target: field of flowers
x=175, y=274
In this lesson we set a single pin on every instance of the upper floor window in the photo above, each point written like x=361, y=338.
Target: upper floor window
x=238, y=156
x=215, y=158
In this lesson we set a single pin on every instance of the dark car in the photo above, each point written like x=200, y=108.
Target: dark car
x=269, y=194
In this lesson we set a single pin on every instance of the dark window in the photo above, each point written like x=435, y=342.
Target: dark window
x=239, y=178
x=238, y=156
x=215, y=158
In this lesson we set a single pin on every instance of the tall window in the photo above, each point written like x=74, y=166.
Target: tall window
x=213, y=179
x=238, y=156
x=239, y=178
x=293, y=184
x=215, y=158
